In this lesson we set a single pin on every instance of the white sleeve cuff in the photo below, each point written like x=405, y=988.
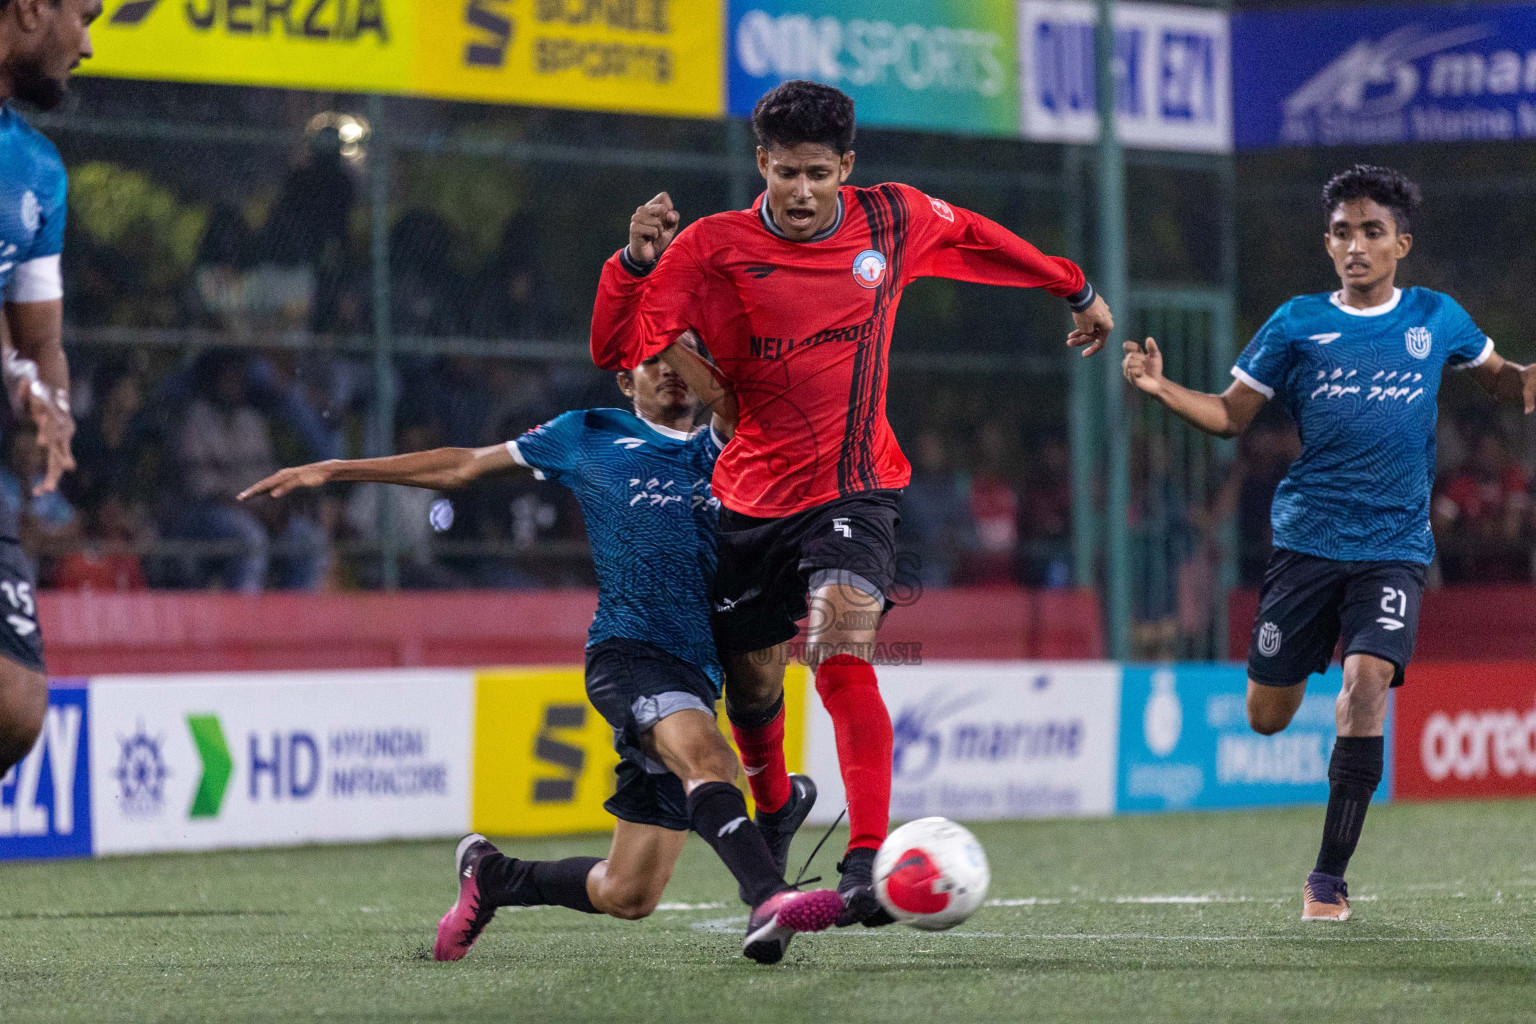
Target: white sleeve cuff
x=38, y=280
x=517, y=457
x=1248, y=378
x=1482, y=357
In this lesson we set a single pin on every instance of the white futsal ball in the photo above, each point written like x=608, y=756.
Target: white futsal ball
x=931, y=874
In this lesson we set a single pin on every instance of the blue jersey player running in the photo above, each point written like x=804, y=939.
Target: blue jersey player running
x=1358, y=370
x=41, y=42
x=643, y=481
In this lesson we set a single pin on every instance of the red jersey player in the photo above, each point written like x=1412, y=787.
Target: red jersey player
x=796, y=298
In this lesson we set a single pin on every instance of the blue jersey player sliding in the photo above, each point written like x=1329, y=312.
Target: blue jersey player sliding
x=41, y=42
x=643, y=481
x=1359, y=370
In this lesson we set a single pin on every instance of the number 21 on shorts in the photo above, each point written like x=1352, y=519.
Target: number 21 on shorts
x=1395, y=603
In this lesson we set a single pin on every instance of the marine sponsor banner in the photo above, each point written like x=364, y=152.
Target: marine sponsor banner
x=1173, y=75
x=988, y=740
x=644, y=56
x=1185, y=742
x=1367, y=75
x=1466, y=730
x=544, y=759
x=945, y=65
x=204, y=762
x=45, y=802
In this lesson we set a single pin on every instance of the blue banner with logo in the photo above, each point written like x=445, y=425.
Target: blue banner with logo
x=1369, y=75
x=1185, y=742
x=45, y=800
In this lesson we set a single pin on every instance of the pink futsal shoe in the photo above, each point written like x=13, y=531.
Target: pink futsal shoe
x=780, y=916
x=469, y=915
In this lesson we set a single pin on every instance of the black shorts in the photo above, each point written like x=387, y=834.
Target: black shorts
x=1308, y=603
x=768, y=565
x=21, y=638
x=634, y=685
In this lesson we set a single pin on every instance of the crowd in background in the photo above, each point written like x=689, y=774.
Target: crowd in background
x=168, y=435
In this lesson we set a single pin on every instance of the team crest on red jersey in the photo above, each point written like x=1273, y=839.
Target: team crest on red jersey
x=941, y=208
x=869, y=268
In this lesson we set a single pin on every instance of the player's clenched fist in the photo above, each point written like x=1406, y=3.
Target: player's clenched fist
x=652, y=229
x=1143, y=367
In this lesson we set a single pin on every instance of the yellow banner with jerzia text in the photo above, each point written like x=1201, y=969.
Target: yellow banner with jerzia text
x=635, y=56
x=544, y=760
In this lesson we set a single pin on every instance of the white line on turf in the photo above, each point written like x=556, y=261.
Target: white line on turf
x=736, y=924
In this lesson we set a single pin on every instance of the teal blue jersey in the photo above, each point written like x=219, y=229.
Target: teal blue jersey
x=32, y=205
x=1361, y=386
x=645, y=494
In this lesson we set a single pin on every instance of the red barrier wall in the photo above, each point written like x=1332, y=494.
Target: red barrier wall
x=180, y=632
x=1455, y=624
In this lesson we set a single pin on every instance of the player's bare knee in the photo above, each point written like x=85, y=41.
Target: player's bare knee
x=632, y=900
x=1269, y=712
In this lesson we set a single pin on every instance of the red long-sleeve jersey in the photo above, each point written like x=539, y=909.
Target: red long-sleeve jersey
x=802, y=330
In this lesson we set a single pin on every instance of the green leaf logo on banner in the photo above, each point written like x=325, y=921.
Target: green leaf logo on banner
x=217, y=765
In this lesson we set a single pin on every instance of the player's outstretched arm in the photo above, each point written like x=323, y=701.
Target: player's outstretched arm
x=441, y=469
x=622, y=337
x=704, y=380
x=1509, y=382
x=1225, y=415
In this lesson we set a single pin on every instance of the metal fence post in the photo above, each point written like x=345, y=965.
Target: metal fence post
x=383, y=352
x=1112, y=282
x=1085, y=535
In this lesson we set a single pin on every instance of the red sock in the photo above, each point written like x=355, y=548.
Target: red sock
x=762, y=755
x=863, y=728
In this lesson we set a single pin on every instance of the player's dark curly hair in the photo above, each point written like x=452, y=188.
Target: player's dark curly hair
x=1383, y=185
x=802, y=111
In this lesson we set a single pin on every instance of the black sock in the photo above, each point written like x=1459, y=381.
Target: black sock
x=1353, y=775
x=509, y=882
x=718, y=813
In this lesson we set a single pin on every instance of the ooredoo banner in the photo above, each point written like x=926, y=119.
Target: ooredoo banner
x=979, y=740
x=271, y=759
x=1467, y=730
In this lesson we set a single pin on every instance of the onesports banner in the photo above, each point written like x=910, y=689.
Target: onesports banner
x=1173, y=75
x=1370, y=75
x=639, y=56
x=944, y=65
x=980, y=740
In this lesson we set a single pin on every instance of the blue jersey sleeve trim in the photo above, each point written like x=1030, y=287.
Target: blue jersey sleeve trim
x=1481, y=358
x=1253, y=382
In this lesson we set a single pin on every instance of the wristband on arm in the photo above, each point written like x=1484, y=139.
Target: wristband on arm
x=1082, y=299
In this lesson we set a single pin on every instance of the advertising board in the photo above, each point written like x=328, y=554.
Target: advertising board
x=946, y=65
x=272, y=759
x=980, y=740
x=45, y=800
x=1173, y=84
x=1369, y=75
x=1185, y=742
x=644, y=56
x=1466, y=730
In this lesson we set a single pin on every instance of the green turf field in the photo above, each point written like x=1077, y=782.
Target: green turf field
x=1188, y=917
